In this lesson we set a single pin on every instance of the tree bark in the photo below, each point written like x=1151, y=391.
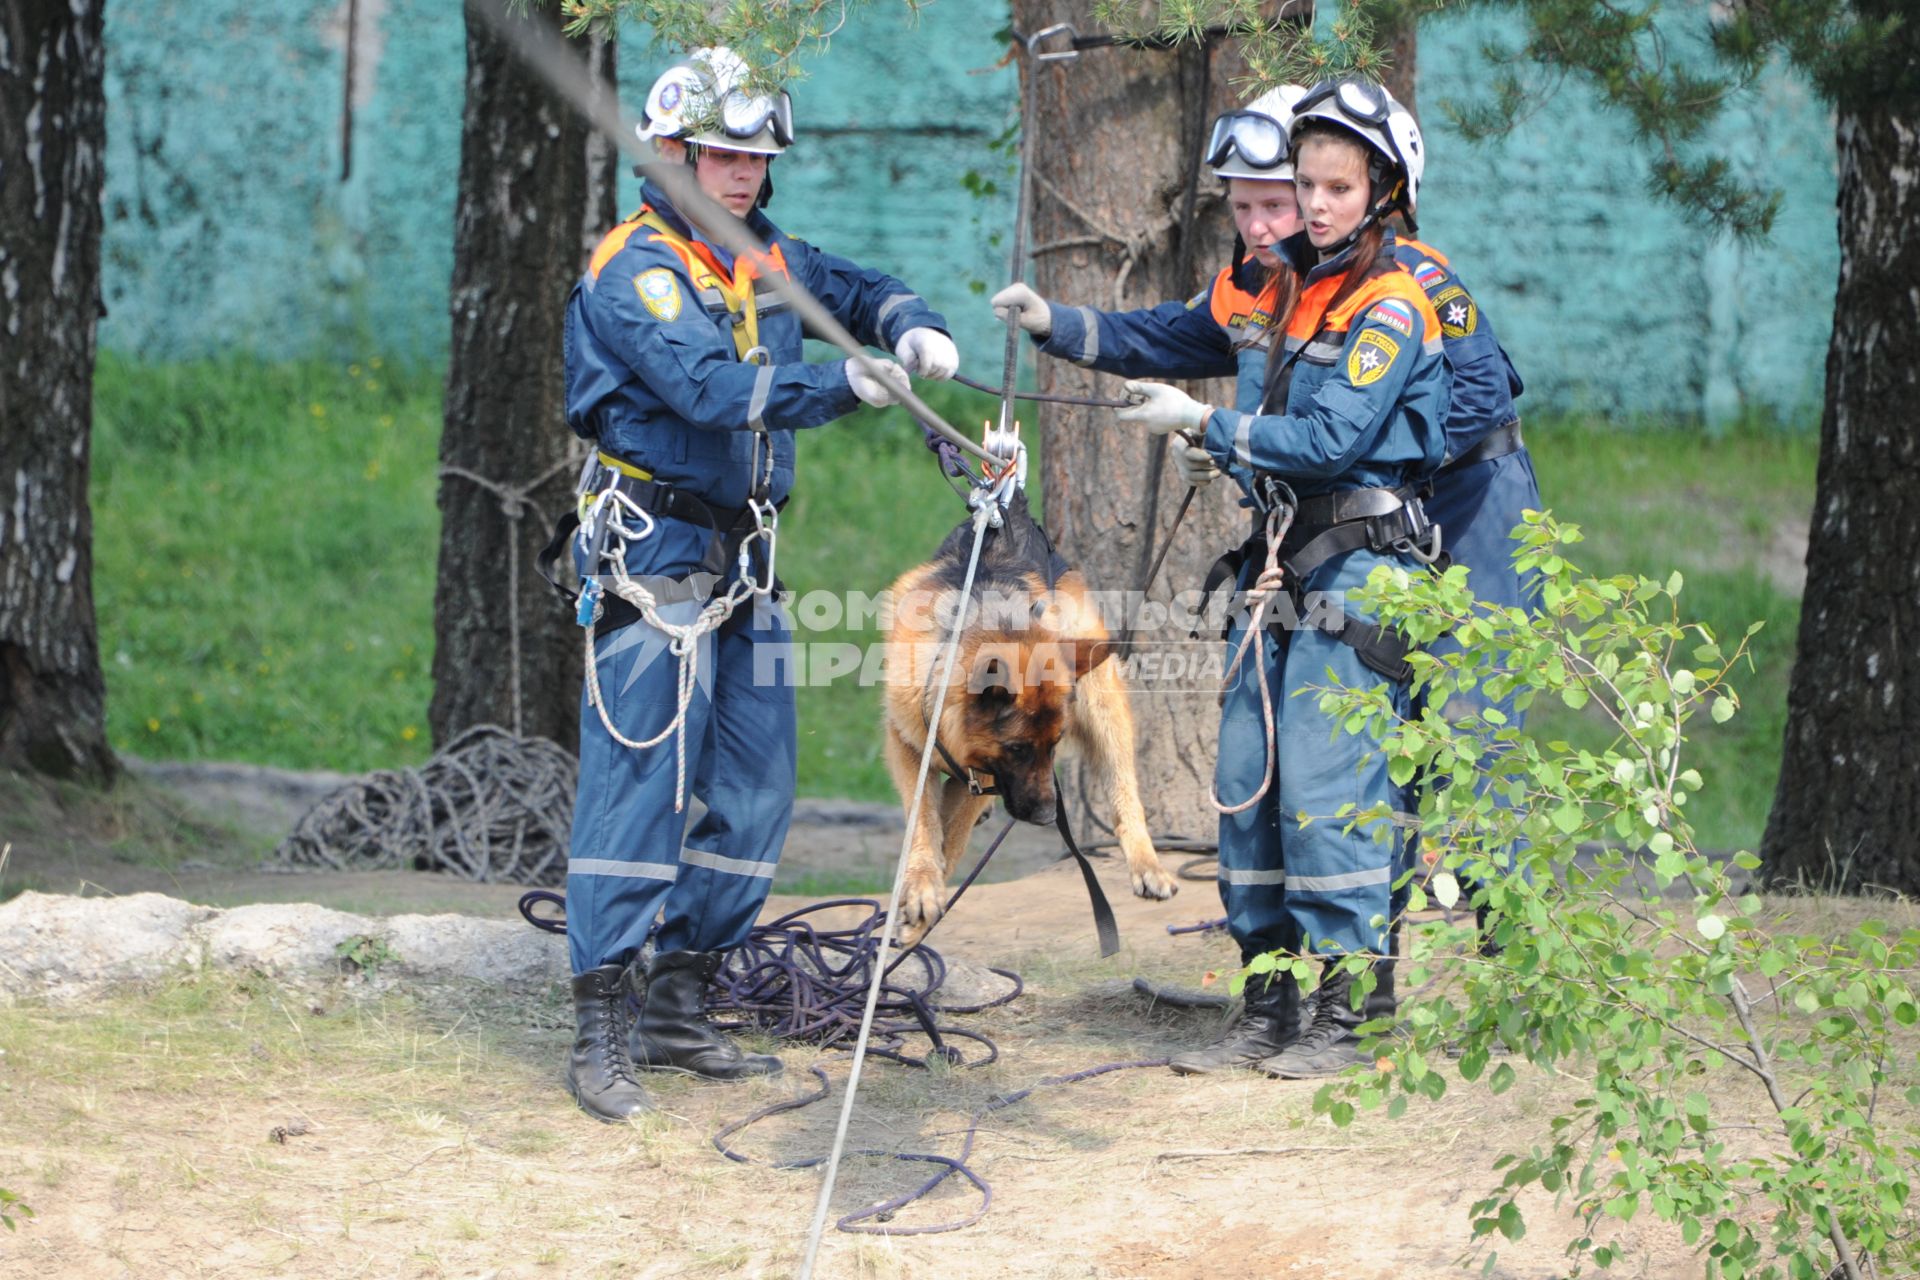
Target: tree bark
x=52, y=134
x=536, y=192
x=1846, y=813
x=1113, y=168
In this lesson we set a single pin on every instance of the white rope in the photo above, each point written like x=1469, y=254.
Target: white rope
x=683, y=639
x=1260, y=595
x=982, y=517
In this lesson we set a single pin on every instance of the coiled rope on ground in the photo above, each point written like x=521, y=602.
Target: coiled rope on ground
x=489, y=806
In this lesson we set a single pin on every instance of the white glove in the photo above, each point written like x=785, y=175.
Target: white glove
x=929, y=353
x=1194, y=464
x=878, y=392
x=1035, y=316
x=1163, y=409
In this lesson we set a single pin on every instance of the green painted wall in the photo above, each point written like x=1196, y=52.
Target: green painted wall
x=228, y=226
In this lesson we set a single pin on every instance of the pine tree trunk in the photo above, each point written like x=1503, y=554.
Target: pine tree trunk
x=536, y=191
x=52, y=135
x=1847, y=810
x=1117, y=134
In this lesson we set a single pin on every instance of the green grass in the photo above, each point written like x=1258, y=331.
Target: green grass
x=1719, y=509
x=266, y=537
x=264, y=540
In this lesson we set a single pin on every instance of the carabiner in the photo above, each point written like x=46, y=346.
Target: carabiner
x=766, y=526
x=1041, y=36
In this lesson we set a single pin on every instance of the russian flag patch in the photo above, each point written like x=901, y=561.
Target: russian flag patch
x=1429, y=274
x=1394, y=314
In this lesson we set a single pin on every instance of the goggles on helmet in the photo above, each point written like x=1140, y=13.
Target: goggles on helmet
x=1358, y=100
x=744, y=117
x=1259, y=139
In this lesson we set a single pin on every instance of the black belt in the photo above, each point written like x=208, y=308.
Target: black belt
x=1497, y=443
x=1347, y=504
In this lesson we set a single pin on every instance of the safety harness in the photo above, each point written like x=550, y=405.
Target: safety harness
x=1330, y=525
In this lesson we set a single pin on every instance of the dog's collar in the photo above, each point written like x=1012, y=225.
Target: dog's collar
x=955, y=769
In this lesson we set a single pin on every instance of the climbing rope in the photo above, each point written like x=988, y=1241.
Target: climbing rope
x=982, y=516
x=1260, y=595
x=489, y=806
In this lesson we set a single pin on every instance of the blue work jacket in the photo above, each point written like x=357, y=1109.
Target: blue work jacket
x=1485, y=383
x=1367, y=393
x=654, y=351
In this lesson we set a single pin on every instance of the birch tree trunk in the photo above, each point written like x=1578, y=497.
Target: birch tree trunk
x=52, y=134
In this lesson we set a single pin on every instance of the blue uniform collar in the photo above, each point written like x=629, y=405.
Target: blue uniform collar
x=656, y=199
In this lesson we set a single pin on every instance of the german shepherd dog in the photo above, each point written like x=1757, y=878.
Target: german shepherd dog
x=1032, y=670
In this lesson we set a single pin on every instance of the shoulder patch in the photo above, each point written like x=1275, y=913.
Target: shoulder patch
x=1458, y=316
x=1429, y=273
x=660, y=291
x=1372, y=355
x=1395, y=314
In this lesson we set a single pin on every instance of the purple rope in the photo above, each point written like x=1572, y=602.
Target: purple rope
x=883, y=1212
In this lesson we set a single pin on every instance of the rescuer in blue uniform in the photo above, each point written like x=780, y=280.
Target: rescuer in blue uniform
x=684, y=366
x=1338, y=422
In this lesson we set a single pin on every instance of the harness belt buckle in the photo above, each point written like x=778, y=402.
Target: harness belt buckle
x=757, y=356
x=1040, y=37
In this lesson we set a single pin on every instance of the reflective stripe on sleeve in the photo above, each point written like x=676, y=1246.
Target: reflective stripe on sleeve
x=757, y=402
x=1090, y=346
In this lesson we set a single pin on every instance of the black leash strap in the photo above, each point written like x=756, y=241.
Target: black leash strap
x=1102, y=909
x=1045, y=397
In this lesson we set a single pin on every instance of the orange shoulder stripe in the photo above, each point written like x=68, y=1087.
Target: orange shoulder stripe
x=613, y=242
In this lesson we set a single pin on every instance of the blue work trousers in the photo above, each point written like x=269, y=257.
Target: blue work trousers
x=632, y=858
x=1289, y=886
x=1477, y=509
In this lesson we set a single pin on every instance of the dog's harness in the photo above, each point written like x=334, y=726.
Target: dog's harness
x=981, y=783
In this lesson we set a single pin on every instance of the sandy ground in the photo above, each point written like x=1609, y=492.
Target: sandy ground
x=438, y=1141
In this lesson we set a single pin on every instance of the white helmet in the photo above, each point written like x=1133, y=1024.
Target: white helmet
x=1252, y=142
x=703, y=100
x=1376, y=116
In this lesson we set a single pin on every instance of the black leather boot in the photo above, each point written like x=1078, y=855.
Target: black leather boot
x=599, y=1071
x=1330, y=1043
x=1380, y=1004
x=1267, y=1024
x=673, y=1033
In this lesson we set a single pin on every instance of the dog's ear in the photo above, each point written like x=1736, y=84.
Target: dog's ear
x=1089, y=652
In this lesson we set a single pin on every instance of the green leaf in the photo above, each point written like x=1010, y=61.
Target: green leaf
x=1568, y=818
x=1574, y=696
x=1446, y=890
x=1723, y=710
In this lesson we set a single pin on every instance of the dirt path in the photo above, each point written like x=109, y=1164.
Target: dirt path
x=424, y=1133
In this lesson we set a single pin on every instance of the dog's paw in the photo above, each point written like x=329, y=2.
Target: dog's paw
x=921, y=902
x=1151, y=880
